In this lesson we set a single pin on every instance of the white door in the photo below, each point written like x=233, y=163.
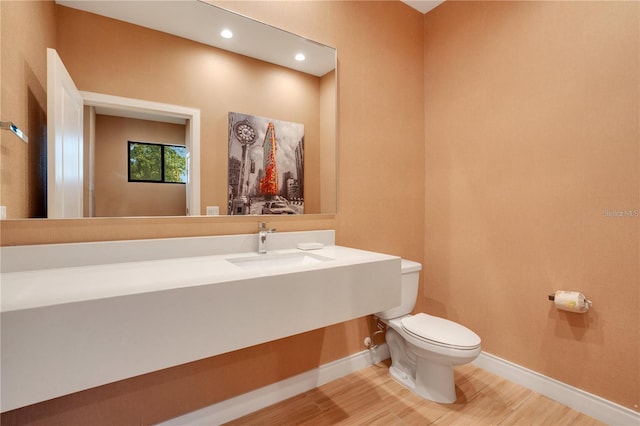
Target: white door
x=64, y=142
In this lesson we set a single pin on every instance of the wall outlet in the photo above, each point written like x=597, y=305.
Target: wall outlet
x=213, y=211
x=3, y=212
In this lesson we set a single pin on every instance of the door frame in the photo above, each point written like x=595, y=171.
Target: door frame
x=155, y=111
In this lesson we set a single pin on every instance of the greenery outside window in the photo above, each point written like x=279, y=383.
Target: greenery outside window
x=159, y=163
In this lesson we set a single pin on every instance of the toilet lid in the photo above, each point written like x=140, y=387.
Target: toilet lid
x=440, y=331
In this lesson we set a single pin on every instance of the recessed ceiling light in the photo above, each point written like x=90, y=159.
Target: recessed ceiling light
x=300, y=57
x=226, y=33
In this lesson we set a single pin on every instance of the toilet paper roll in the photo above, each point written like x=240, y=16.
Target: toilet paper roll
x=571, y=301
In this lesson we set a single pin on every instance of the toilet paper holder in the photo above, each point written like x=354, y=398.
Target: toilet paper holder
x=571, y=301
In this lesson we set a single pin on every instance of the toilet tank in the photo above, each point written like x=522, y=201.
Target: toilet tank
x=408, y=290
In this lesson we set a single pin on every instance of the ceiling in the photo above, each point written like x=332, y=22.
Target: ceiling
x=423, y=6
x=196, y=20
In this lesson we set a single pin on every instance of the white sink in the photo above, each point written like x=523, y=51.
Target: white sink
x=277, y=261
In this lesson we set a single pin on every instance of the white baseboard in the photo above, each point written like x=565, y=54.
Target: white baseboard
x=247, y=403
x=577, y=399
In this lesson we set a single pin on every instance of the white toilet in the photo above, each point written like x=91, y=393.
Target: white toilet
x=425, y=348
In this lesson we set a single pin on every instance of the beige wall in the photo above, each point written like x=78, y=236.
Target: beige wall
x=380, y=207
x=328, y=102
x=24, y=102
x=115, y=196
x=531, y=133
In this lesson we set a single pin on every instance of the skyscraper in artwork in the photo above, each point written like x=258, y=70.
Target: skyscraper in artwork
x=269, y=182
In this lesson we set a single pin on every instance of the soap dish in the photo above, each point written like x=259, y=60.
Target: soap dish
x=310, y=246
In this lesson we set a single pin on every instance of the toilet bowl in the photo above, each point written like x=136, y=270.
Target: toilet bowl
x=425, y=348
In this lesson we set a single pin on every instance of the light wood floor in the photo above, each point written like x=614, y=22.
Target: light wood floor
x=372, y=397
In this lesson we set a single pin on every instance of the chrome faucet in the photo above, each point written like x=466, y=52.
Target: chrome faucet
x=262, y=236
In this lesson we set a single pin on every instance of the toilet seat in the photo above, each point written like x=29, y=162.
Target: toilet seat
x=441, y=332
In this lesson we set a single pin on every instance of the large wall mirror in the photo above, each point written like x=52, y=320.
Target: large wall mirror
x=175, y=55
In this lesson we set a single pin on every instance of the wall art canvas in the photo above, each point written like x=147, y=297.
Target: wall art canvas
x=266, y=166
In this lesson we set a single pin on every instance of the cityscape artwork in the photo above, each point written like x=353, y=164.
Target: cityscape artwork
x=266, y=166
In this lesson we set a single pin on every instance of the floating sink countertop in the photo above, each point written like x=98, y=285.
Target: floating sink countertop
x=66, y=329
x=32, y=289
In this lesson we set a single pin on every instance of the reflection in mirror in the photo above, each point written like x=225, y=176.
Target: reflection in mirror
x=108, y=51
